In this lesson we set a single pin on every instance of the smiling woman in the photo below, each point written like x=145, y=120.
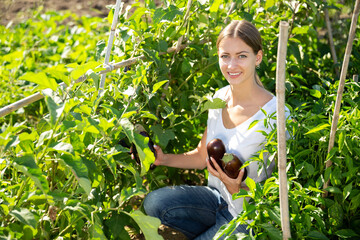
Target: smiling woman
x=199, y=211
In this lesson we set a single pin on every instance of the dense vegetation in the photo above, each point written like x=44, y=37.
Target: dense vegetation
x=65, y=166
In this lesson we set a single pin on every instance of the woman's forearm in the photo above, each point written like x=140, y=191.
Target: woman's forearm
x=188, y=160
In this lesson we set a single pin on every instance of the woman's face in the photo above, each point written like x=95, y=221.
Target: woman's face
x=237, y=60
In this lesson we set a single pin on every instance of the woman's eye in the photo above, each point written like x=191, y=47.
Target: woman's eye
x=242, y=56
x=224, y=56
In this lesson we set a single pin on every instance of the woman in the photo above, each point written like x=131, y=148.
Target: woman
x=199, y=211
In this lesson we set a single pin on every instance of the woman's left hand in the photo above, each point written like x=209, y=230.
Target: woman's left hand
x=232, y=185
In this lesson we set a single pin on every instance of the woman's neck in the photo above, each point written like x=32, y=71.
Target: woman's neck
x=247, y=94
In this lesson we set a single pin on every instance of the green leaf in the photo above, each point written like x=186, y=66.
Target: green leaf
x=341, y=140
x=62, y=147
x=317, y=235
x=41, y=79
x=148, y=225
x=97, y=228
x=82, y=69
x=79, y=169
x=274, y=214
x=162, y=136
x=54, y=109
x=346, y=233
x=141, y=143
x=273, y=232
x=27, y=165
x=215, y=103
x=59, y=72
x=333, y=190
x=253, y=123
x=116, y=224
x=318, y=128
x=158, y=85
x=269, y=3
x=110, y=162
x=24, y=216
x=251, y=184
x=347, y=190
x=127, y=193
x=215, y=6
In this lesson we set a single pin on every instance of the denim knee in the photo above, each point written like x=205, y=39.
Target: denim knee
x=152, y=204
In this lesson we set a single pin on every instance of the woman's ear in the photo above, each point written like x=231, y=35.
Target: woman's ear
x=259, y=56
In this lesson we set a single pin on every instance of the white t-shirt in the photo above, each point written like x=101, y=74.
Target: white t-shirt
x=241, y=141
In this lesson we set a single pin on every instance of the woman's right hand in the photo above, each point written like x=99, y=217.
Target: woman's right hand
x=159, y=159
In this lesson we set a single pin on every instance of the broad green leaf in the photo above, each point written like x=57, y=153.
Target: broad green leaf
x=215, y=103
x=318, y=128
x=162, y=136
x=41, y=79
x=27, y=165
x=80, y=70
x=44, y=136
x=148, y=225
x=59, y=72
x=315, y=93
x=79, y=169
x=251, y=184
x=62, y=147
x=148, y=115
x=316, y=235
x=158, y=85
x=97, y=228
x=241, y=193
x=274, y=214
x=127, y=193
x=116, y=224
x=110, y=162
x=346, y=233
x=141, y=143
x=333, y=190
x=55, y=110
x=24, y=216
x=273, y=232
x=215, y=6
x=82, y=208
x=95, y=77
x=269, y=3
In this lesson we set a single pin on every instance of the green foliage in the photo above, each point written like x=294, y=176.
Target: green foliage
x=66, y=171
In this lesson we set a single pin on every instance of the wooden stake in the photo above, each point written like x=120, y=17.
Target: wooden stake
x=110, y=43
x=356, y=78
x=331, y=40
x=341, y=85
x=281, y=128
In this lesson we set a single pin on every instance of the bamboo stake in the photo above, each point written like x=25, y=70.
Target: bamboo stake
x=356, y=78
x=281, y=127
x=108, y=68
x=110, y=43
x=341, y=85
x=331, y=39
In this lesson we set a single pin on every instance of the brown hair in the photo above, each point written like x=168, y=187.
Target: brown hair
x=247, y=32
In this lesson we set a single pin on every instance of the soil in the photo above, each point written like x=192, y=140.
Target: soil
x=19, y=10
x=15, y=11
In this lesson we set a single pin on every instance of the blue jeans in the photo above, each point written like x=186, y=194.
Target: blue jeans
x=196, y=211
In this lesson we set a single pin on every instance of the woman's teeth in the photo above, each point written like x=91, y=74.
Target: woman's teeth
x=234, y=74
